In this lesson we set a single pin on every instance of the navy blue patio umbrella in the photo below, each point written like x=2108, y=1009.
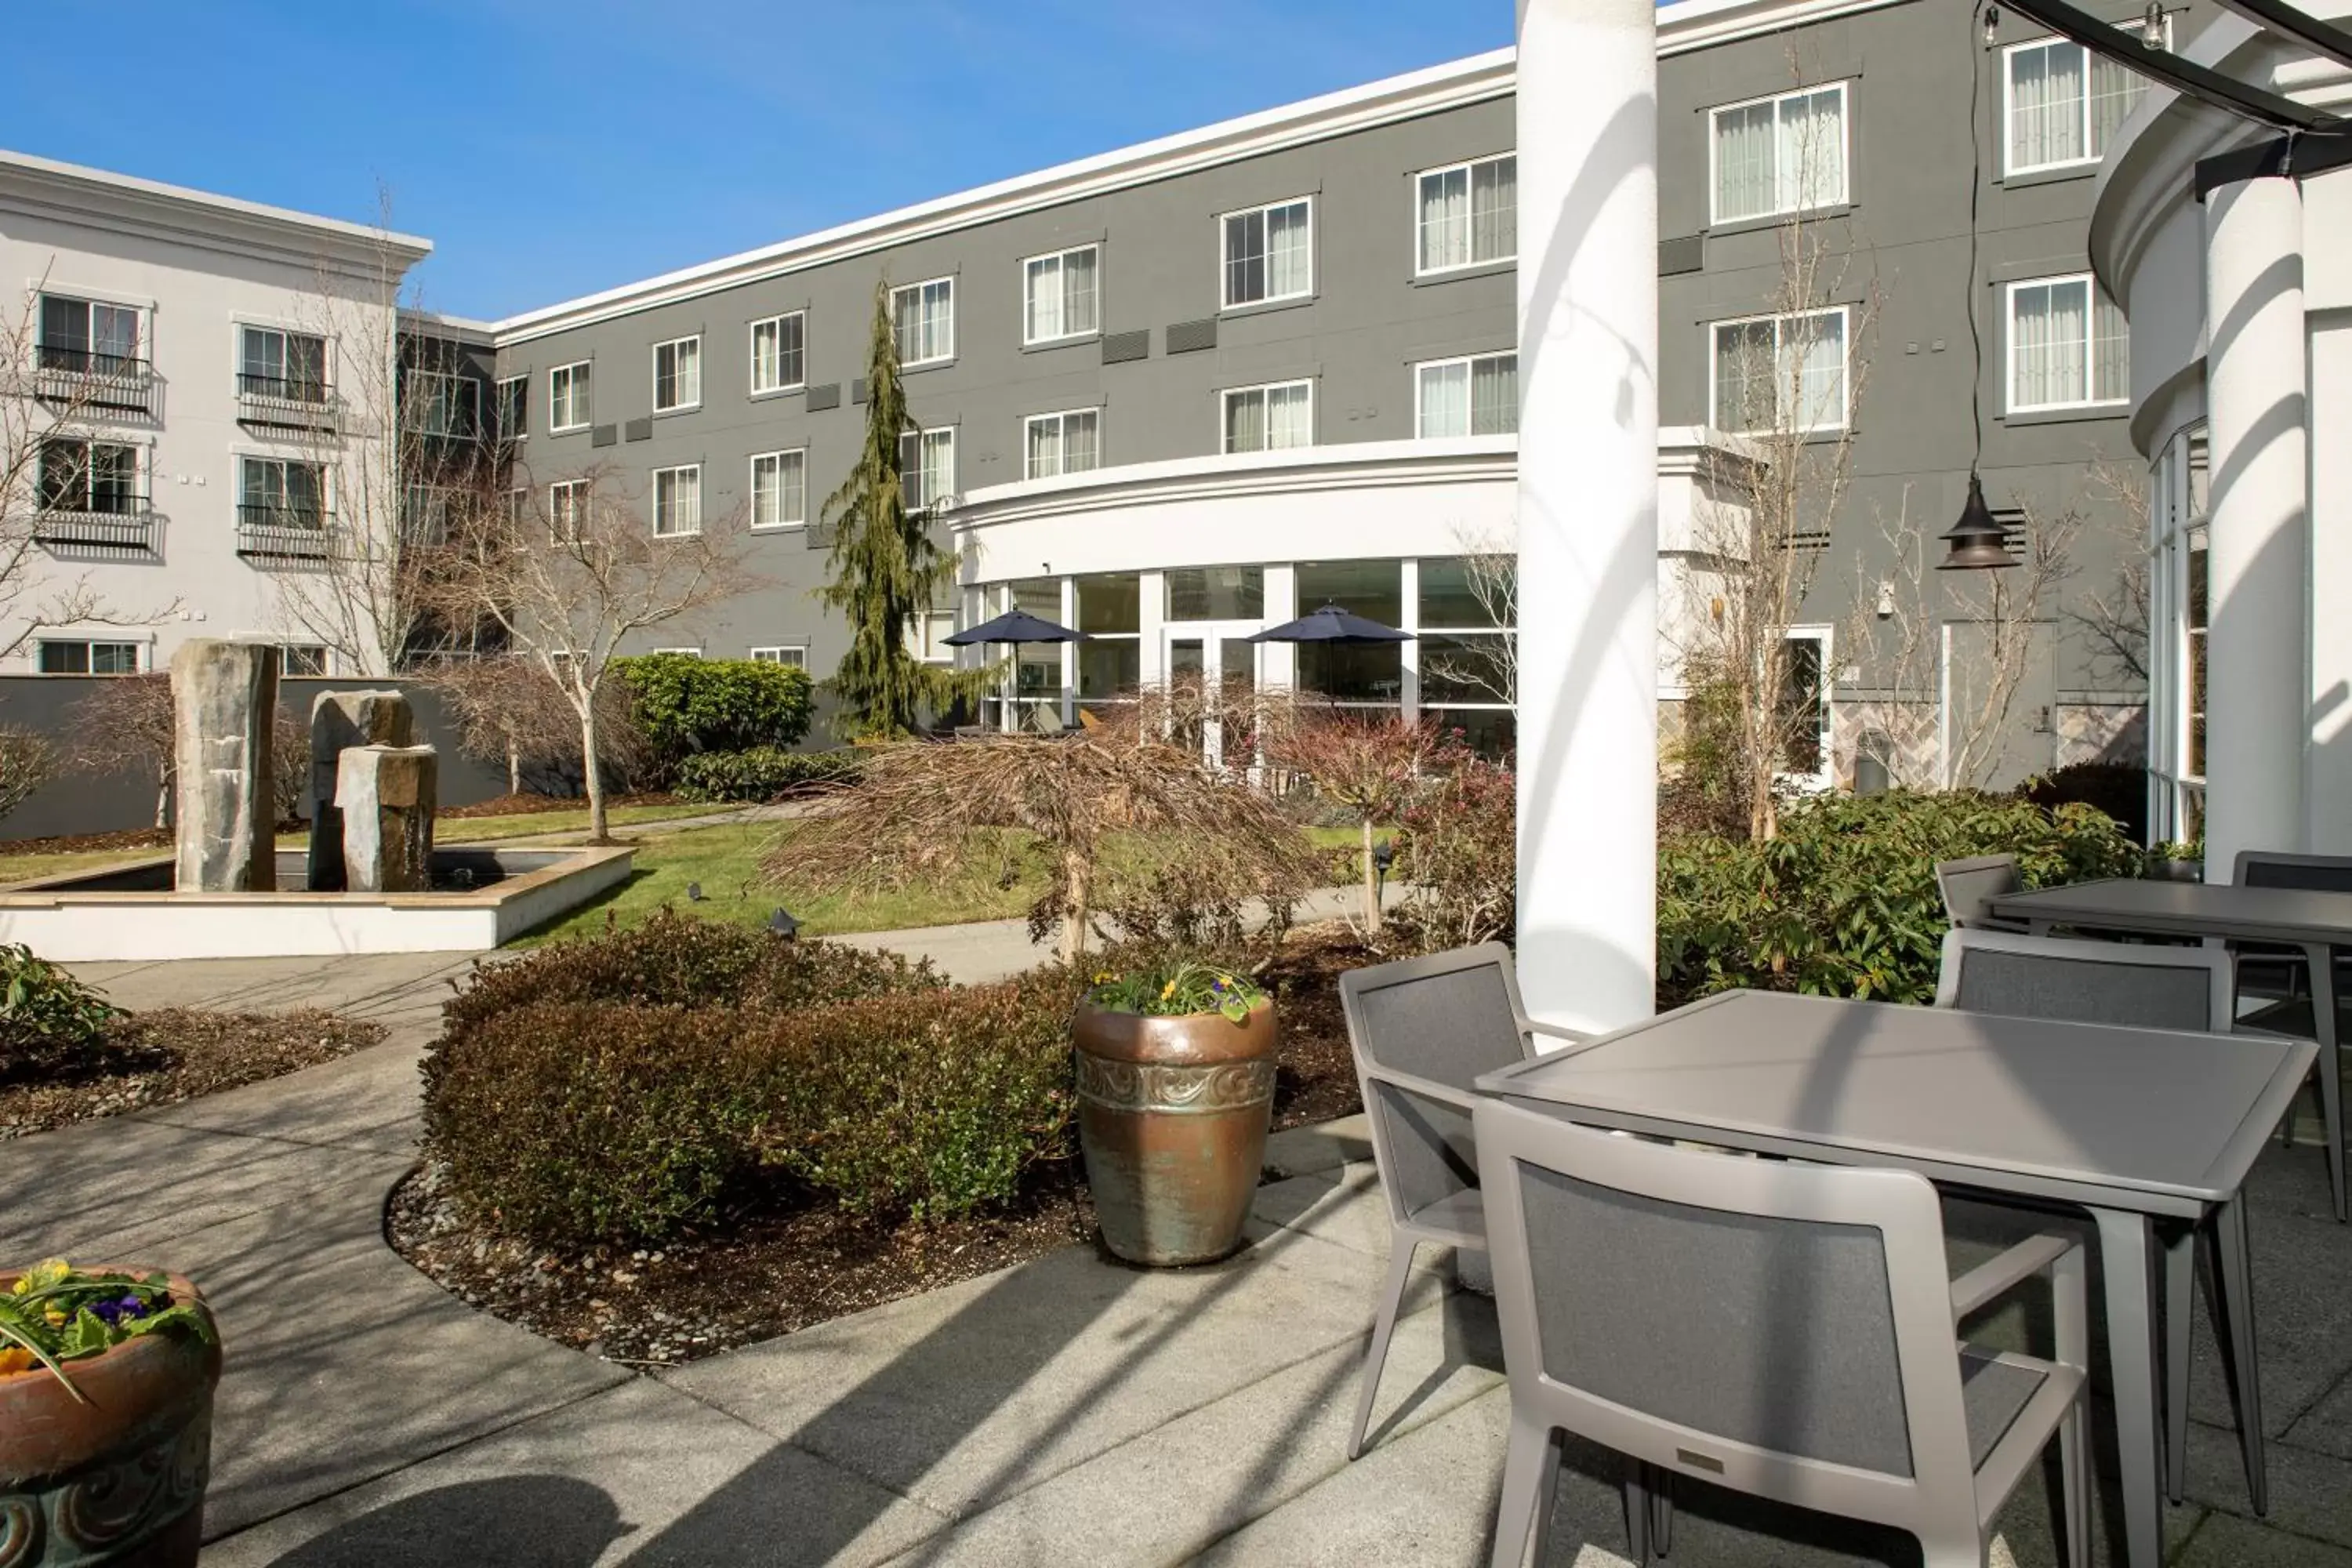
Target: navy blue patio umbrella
x=1015, y=626
x=1332, y=625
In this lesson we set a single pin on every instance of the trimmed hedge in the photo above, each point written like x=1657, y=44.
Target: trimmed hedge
x=1844, y=902
x=617, y=1088
x=762, y=773
x=687, y=705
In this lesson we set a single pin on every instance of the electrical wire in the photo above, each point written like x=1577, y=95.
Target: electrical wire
x=1976, y=184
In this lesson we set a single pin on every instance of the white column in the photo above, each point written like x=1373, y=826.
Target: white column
x=1588, y=509
x=2328, y=785
x=2257, y=401
x=1279, y=661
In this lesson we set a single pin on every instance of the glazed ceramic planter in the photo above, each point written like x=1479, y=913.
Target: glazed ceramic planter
x=120, y=1479
x=1172, y=1116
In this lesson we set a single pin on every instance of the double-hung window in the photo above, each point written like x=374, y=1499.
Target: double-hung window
x=780, y=489
x=1782, y=155
x=567, y=510
x=291, y=366
x=91, y=476
x=1478, y=395
x=677, y=375
x=1066, y=443
x=2067, y=345
x=2063, y=103
x=778, y=356
x=1269, y=253
x=1468, y=214
x=1267, y=418
x=927, y=466
x=923, y=316
x=1060, y=297
x=513, y=405
x=570, y=396
x=1780, y=373
x=436, y=403
x=678, y=500
x=89, y=337
x=278, y=492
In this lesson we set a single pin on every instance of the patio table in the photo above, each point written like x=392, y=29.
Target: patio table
x=2129, y=1124
x=2319, y=924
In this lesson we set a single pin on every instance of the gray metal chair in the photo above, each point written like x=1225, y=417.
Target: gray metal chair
x=1781, y=1329
x=1967, y=884
x=2279, y=974
x=1422, y=1030
x=2137, y=986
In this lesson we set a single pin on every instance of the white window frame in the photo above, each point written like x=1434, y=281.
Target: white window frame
x=1224, y=277
x=918, y=436
x=499, y=407
x=1469, y=170
x=572, y=374
x=1825, y=776
x=777, y=458
x=752, y=344
x=142, y=657
x=2008, y=54
x=456, y=394
x=1845, y=378
x=684, y=353
x=1061, y=417
x=946, y=355
x=672, y=473
x=563, y=496
x=1470, y=363
x=927, y=648
x=1224, y=410
x=1845, y=196
x=2089, y=347
x=1062, y=260
x=687, y=652
x=790, y=655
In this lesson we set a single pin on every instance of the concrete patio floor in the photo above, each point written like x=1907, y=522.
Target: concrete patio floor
x=1069, y=1410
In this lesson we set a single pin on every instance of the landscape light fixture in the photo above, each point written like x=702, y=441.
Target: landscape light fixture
x=782, y=923
x=694, y=892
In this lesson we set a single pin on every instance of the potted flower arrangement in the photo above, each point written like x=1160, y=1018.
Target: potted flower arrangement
x=1175, y=1075
x=106, y=1401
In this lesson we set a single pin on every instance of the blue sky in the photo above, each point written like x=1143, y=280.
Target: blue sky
x=551, y=148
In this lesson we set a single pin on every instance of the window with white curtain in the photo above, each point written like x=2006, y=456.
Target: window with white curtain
x=1270, y=253
x=567, y=509
x=1468, y=214
x=927, y=466
x=1780, y=373
x=778, y=361
x=1477, y=395
x=923, y=316
x=569, y=404
x=1786, y=154
x=678, y=500
x=1066, y=443
x=677, y=375
x=780, y=490
x=2068, y=347
x=1060, y=297
x=792, y=656
x=2065, y=103
x=1269, y=419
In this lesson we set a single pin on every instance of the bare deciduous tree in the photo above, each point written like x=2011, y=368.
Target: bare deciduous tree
x=1486, y=665
x=509, y=712
x=1369, y=763
x=570, y=592
x=125, y=726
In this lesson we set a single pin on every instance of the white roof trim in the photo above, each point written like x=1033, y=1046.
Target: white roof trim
x=1684, y=27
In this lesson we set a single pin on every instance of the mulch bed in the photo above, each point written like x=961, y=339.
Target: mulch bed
x=82, y=843
x=756, y=1273
x=173, y=1054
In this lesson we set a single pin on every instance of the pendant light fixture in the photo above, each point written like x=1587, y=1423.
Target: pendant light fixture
x=1978, y=542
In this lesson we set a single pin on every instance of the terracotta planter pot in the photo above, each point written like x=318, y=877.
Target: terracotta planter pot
x=1172, y=1115
x=120, y=1479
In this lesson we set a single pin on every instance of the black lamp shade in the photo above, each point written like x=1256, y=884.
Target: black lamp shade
x=1978, y=542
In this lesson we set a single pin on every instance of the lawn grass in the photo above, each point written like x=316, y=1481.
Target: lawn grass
x=25, y=867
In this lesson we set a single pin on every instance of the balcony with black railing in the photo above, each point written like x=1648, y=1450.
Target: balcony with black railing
x=288, y=402
x=282, y=532
x=77, y=377
x=116, y=521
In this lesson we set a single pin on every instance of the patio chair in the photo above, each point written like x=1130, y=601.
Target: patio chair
x=1422, y=1031
x=1781, y=1329
x=2279, y=975
x=2137, y=986
x=1967, y=884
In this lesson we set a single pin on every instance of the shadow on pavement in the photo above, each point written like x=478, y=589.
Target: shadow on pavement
x=516, y=1522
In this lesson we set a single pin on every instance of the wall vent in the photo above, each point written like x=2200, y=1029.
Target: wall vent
x=1686, y=254
x=1118, y=347
x=603, y=434
x=822, y=397
x=1192, y=337
x=858, y=390
x=638, y=430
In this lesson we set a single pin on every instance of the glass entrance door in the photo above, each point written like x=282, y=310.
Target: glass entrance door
x=1211, y=676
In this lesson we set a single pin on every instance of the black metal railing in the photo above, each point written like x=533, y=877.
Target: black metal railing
x=101, y=523
x=288, y=402
x=87, y=377
x=284, y=531
x=282, y=388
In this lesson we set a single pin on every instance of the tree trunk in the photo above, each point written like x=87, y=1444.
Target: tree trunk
x=589, y=772
x=1371, y=882
x=164, y=798
x=1078, y=878
x=514, y=767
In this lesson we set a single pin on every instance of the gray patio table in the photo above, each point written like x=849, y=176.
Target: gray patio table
x=2317, y=923
x=2131, y=1125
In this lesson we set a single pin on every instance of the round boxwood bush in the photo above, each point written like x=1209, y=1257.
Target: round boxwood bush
x=687, y=704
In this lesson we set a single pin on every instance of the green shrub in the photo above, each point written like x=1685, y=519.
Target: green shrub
x=761, y=772
x=1458, y=852
x=1845, y=903
x=48, y=1018
x=687, y=704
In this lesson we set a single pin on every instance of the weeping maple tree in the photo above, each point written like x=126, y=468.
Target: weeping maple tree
x=887, y=567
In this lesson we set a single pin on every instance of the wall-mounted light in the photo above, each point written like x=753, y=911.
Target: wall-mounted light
x=2151, y=26
x=1885, y=599
x=1992, y=26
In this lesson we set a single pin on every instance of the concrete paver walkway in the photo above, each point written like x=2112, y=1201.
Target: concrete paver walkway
x=1069, y=1410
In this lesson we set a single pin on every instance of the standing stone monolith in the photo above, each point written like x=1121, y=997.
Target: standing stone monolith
x=387, y=795
x=224, y=698
x=339, y=720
